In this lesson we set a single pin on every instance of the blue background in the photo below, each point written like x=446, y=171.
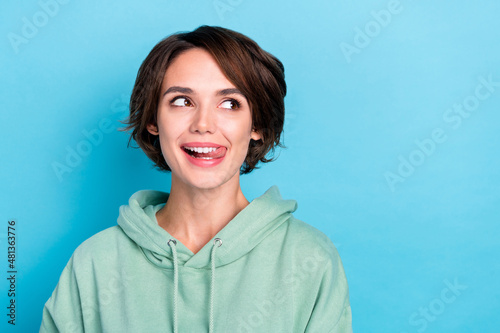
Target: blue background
x=410, y=217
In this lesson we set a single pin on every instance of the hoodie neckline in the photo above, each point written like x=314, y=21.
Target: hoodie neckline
x=245, y=231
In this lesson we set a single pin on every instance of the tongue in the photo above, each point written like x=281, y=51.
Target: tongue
x=219, y=152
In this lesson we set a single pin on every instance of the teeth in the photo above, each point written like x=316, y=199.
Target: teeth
x=201, y=150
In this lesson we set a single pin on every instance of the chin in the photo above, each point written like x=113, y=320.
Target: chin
x=209, y=184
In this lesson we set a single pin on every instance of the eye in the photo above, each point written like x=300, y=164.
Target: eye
x=181, y=101
x=230, y=104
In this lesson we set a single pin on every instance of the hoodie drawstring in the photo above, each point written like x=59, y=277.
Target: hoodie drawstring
x=176, y=280
x=218, y=242
x=212, y=296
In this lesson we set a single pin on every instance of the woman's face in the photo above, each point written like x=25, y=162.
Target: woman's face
x=204, y=122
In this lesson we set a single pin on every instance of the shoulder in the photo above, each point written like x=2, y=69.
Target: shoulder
x=104, y=243
x=318, y=262
x=308, y=239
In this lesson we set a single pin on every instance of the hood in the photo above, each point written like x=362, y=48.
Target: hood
x=244, y=232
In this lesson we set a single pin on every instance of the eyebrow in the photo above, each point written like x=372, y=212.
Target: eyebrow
x=184, y=90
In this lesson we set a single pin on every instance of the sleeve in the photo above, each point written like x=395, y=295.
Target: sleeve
x=63, y=311
x=332, y=310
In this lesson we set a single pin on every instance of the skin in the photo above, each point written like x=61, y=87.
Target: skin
x=202, y=200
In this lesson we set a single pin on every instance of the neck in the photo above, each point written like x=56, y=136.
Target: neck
x=194, y=216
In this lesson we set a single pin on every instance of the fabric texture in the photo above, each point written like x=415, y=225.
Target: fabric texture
x=265, y=271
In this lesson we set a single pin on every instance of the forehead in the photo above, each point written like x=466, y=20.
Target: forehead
x=195, y=66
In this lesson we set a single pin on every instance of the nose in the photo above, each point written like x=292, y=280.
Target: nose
x=203, y=120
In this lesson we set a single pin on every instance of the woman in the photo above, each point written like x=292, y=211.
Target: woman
x=207, y=105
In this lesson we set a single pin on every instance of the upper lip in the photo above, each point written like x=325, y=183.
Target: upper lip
x=201, y=144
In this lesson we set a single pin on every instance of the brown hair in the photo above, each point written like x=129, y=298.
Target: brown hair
x=256, y=73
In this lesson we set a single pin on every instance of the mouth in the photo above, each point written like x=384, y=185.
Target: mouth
x=204, y=152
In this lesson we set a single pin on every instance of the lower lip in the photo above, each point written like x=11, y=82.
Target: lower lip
x=204, y=163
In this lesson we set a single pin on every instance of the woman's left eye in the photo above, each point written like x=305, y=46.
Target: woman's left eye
x=230, y=104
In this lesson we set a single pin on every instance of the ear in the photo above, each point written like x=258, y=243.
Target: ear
x=255, y=135
x=152, y=129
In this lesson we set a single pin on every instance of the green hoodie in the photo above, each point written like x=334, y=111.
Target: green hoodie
x=265, y=271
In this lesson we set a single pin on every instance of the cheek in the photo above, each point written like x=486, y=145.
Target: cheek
x=169, y=134
x=171, y=127
x=168, y=141
x=240, y=130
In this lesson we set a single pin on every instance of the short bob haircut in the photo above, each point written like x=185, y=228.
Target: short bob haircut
x=259, y=75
